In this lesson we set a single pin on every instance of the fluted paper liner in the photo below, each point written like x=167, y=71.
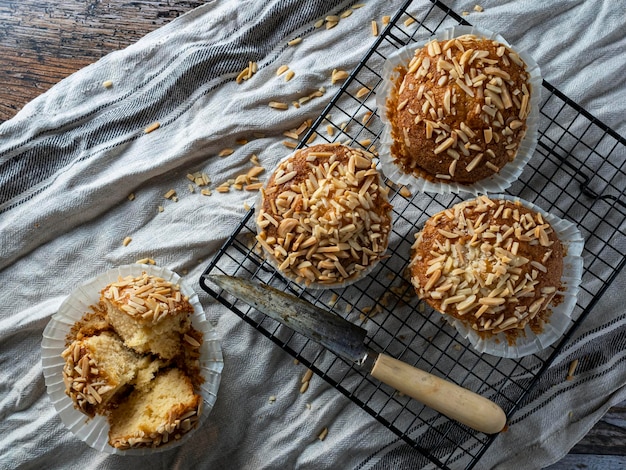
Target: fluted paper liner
x=560, y=319
x=94, y=432
x=493, y=184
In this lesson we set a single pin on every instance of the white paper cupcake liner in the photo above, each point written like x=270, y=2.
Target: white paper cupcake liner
x=561, y=318
x=314, y=285
x=94, y=432
x=498, y=182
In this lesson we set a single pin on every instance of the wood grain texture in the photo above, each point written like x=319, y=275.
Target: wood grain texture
x=44, y=41
x=604, y=447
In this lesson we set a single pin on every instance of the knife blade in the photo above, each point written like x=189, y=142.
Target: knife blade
x=347, y=340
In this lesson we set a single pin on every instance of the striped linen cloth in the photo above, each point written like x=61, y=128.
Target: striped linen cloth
x=70, y=159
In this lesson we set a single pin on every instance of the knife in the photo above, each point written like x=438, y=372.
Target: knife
x=347, y=340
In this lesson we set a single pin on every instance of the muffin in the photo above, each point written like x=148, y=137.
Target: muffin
x=117, y=372
x=323, y=218
x=458, y=110
x=134, y=358
x=149, y=313
x=494, y=265
x=98, y=368
x=159, y=411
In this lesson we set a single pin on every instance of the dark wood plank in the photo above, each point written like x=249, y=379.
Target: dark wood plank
x=44, y=41
x=604, y=447
x=589, y=462
x=607, y=437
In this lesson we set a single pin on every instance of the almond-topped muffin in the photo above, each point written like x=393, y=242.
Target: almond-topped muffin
x=149, y=313
x=458, y=110
x=495, y=265
x=324, y=217
x=135, y=358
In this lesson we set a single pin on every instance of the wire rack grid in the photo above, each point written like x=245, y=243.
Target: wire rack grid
x=577, y=173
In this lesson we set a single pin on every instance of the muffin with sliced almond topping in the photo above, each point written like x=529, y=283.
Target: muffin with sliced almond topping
x=458, y=110
x=324, y=218
x=149, y=313
x=492, y=264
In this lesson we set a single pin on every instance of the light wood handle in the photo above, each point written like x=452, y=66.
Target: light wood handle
x=446, y=397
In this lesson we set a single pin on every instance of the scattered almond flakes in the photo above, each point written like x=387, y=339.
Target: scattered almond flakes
x=345, y=14
x=107, y=84
x=332, y=21
x=225, y=152
x=131, y=196
x=323, y=434
x=404, y=191
x=374, y=28
x=255, y=171
x=278, y=105
x=205, y=192
x=304, y=387
x=330, y=130
x=478, y=8
x=319, y=23
x=572, y=368
x=152, y=127
x=146, y=261
x=247, y=73
x=409, y=21
x=289, y=144
x=307, y=376
x=338, y=75
x=126, y=241
x=362, y=92
x=241, y=141
x=289, y=75
x=171, y=193
x=310, y=140
x=295, y=41
x=366, y=118
x=281, y=70
x=465, y=13
x=272, y=398
x=358, y=5
x=161, y=209
x=253, y=186
x=386, y=19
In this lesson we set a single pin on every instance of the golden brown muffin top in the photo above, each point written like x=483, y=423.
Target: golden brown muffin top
x=493, y=264
x=458, y=111
x=147, y=298
x=324, y=215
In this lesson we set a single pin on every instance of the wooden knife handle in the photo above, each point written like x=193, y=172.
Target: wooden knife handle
x=446, y=397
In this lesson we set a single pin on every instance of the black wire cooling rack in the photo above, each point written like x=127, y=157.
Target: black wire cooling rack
x=578, y=172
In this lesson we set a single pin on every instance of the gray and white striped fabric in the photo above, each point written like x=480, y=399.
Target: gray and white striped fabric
x=71, y=157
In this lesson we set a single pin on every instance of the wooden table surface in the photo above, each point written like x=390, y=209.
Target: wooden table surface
x=44, y=41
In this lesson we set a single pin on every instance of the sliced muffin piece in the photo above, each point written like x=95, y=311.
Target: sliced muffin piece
x=149, y=313
x=156, y=413
x=98, y=368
